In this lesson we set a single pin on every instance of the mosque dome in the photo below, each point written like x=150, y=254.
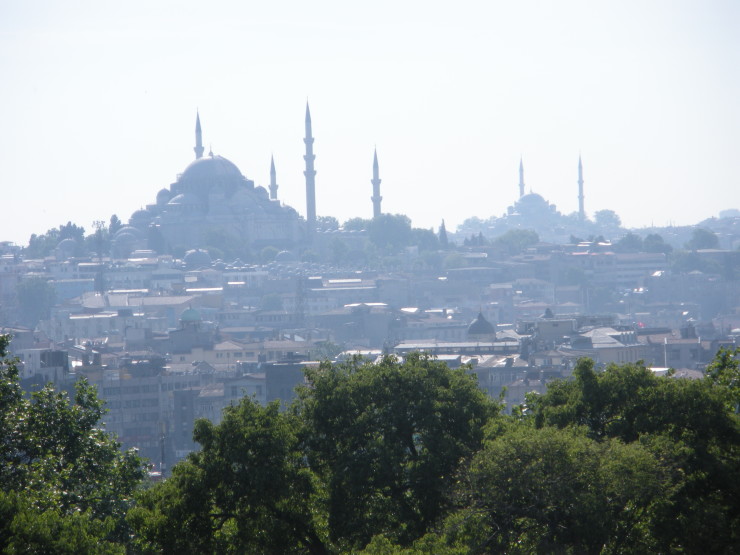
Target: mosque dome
x=190, y=315
x=163, y=196
x=212, y=169
x=128, y=230
x=66, y=247
x=197, y=258
x=140, y=218
x=481, y=326
x=286, y=256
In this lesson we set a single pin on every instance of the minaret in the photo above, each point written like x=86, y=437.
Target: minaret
x=376, y=198
x=273, y=181
x=581, y=211
x=198, y=138
x=521, y=178
x=310, y=174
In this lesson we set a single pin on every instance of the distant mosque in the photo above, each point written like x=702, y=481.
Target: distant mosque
x=532, y=207
x=212, y=201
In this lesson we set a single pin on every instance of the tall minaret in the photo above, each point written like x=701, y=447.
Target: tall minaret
x=521, y=178
x=376, y=198
x=581, y=211
x=198, y=138
x=310, y=174
x=273, y=181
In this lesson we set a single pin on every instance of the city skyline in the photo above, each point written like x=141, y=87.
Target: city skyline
x=101, y=104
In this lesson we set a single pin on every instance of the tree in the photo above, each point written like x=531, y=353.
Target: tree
x=686, y=424
x=515, y=241
x=443, y=235
x=424, y=239
x=58, y=469
x=327, y=223
x=724, y=372
x=114, y=225
x=607, y=219
x=390, y=231
x=387, y=440
x=72, y=231
x=40, y=246
x=356, y=224
x=629, y=243
x=248, y=490
x=702, y=239
x=654, y=243
x=366, y=450
x=548, y=490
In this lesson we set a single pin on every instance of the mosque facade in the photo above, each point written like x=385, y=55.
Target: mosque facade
x=212, y=201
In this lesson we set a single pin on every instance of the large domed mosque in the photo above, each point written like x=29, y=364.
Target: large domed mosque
x=212, y=198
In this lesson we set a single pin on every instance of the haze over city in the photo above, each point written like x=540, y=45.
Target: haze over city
x=99, y=102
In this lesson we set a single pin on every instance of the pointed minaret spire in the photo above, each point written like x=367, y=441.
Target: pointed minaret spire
x=198, y=137
x=581, y=210
x=273, y=181
x=376, y=198
x=521, y=177
x=310, y=174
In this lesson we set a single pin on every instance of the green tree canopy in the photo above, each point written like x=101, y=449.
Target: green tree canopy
x=607, y=218
x=548, y=490
x=390, y=231
x=58, y=469
x=402, y=429
x=356, y=224
x=686, y=424
x=654, y=243
x=248, y=490
x=629, y=243
x=366, y=450
x=702, y=239
x=515, y=241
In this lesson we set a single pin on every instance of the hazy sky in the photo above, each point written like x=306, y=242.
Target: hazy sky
x=98, y=102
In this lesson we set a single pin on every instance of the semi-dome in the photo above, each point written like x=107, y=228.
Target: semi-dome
x=212, y=168
x=140, y=218
x=190, y=315
x=197, y=258
x=128, y=230
x=163, y=196
x=481, y=326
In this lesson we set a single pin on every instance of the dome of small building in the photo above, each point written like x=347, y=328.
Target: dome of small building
x=140, y=217
x=481, y=326
x=128, y=230
x=197, y=258
x=286, y=256
x=190, y=315
x=66, y=248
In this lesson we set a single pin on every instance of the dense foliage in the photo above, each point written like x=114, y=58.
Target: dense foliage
x=394, y=457
x=65, y=486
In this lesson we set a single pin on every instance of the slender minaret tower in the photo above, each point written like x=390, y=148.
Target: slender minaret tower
x=198, y=138
x=581, y=211
x=521, y=178
x=273, y=181
x=310, y=174
x=376, y=198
